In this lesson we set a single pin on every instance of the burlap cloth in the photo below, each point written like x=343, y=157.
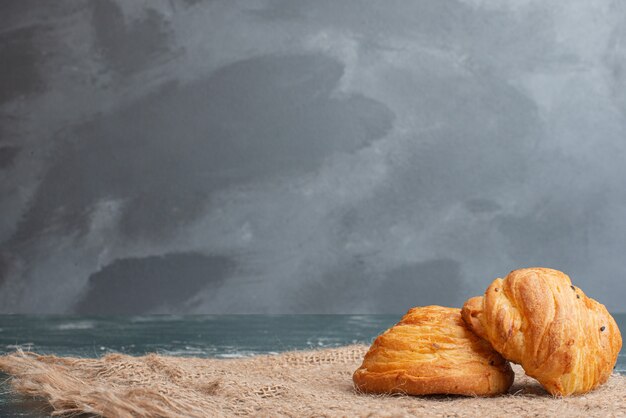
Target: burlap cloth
x=304, y=384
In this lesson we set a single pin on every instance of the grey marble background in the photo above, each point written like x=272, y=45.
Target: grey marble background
x=307, y=156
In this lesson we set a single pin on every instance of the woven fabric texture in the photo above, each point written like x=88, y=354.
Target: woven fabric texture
x=302, y=384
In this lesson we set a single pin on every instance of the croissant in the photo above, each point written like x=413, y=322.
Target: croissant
x=431, y=351
x=535, y=317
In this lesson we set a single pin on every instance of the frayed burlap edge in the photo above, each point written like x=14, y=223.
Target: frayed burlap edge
x=303, y=383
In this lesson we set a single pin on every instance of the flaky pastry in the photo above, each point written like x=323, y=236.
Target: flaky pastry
x=535, y=317
x=431, y=351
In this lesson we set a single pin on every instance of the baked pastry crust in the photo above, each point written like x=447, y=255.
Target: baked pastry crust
x=537, y=318
x=432, y=351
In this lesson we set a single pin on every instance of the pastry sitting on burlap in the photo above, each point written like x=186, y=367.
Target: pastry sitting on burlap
x=432, y=351
x=537, y=318
x=534, y=317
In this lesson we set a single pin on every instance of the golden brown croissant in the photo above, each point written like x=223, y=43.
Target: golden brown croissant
x=432, y=351
x=537, y=318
